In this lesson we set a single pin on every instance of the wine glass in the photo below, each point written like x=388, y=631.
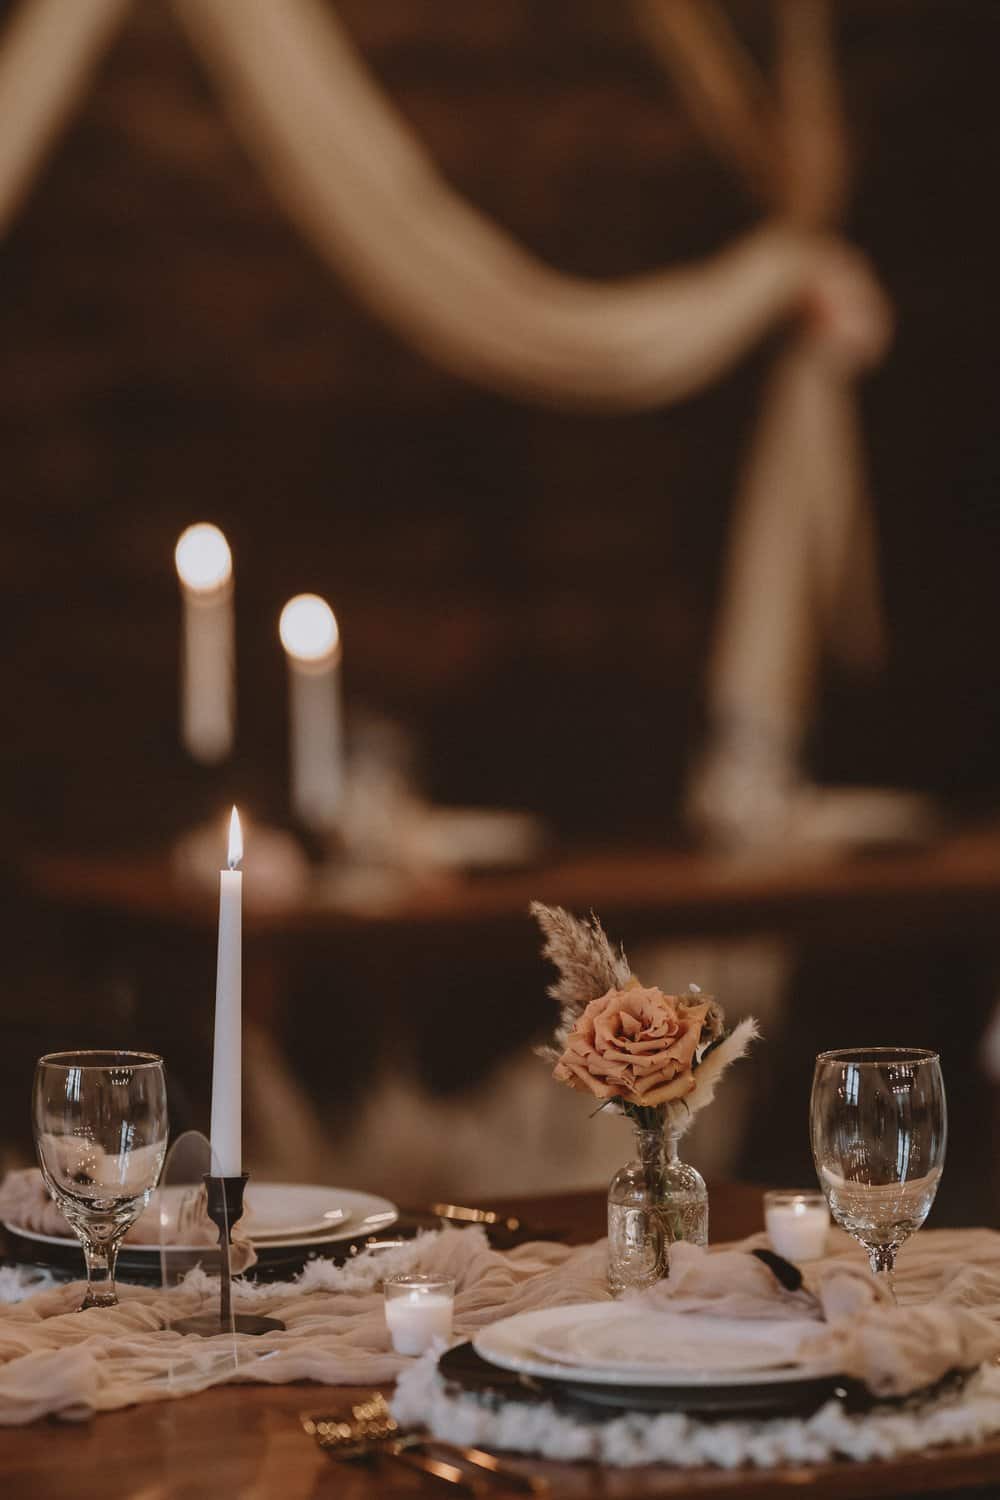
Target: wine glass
x=879, y=1125
x=100, y=1123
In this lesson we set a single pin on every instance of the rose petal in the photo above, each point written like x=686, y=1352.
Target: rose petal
x=636, y=1043
x=675, y=1090
x=585, y=1082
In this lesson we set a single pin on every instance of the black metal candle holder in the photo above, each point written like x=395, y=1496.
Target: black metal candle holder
x=225, y=1208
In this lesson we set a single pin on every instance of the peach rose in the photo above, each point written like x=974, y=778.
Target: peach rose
x=634, y=1044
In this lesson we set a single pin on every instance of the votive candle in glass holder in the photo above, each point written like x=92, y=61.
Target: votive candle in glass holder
x=797, y=1224
x=418, y=1310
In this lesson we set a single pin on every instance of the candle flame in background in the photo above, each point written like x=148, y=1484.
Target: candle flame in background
x=235, y=841
x=308, y=628
x=204, y=561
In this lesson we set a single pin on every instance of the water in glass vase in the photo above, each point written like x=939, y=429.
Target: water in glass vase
x=652, y=1201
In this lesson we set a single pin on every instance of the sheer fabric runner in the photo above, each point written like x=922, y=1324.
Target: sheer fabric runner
x=56, y=1361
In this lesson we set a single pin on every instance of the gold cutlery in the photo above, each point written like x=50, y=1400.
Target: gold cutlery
x=396, y=1449
x=372, y=1431
x=475, y=1216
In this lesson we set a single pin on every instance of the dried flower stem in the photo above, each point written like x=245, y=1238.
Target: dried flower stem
x=588, y=966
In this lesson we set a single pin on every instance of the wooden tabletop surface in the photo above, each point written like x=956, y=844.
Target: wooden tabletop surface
x=247, y=1441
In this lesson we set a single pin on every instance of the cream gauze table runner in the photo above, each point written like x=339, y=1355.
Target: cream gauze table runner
x=55, y=1360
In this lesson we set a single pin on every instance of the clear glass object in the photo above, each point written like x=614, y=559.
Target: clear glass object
x=652, y=1201
x=187, y=1238
x=879, y=1126
x=797, y=1223
x=418, y=1310
x=100, y=1126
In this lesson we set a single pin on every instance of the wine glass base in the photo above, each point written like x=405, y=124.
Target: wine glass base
x=205, y=1325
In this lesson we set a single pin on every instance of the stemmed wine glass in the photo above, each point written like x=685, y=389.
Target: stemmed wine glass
x=100, y=1124
x=879, y=1125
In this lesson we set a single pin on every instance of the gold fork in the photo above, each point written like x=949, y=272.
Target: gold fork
x=372, y=1430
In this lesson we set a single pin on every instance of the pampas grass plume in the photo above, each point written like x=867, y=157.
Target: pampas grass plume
x=588, y=965
x=708, y=1073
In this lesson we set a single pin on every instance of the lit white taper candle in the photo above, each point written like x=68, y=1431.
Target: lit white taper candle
x=205, y=569
x=227, y=1069
x=309, y=634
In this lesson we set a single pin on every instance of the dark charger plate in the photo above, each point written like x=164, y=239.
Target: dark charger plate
x=277, y=1263
x=465, y=1370
x=274, y=1263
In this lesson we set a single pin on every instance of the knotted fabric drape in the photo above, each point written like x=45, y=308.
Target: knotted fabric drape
x=349, y=171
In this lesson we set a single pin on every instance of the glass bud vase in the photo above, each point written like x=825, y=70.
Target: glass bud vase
x=652, y=1201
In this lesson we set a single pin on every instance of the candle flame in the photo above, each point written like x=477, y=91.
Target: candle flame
x=308, y=628
x=204, y=561
x=235, y=841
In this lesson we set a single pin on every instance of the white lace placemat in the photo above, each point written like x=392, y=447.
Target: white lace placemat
x=422, y=1399
x=18, y=1282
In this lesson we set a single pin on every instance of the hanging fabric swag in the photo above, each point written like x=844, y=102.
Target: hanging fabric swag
x=361, y=188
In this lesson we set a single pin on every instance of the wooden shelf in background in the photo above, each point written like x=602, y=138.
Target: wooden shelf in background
x=952, y=887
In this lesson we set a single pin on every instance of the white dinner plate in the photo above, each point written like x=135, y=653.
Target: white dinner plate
x=282, y=1215
x=279, y=1209
x=629, y=1341
x=554, y=1343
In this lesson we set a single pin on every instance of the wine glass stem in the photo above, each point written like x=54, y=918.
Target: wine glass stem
x=882, y=1259
x=100, y=1257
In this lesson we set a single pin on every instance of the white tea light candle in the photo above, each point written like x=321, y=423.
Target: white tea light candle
x=311, y=638
x=205, y=569
x=797, y=1224
x=227, y=1062
x=418, y=1311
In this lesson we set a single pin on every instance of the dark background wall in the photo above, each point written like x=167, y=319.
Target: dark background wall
x=170, y=351
x=530, y=593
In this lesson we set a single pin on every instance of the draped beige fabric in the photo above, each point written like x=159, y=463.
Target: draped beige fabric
x=801, y=565
x=48, y=52
x=56, y=1361
x=347, y=167
x=349, y=171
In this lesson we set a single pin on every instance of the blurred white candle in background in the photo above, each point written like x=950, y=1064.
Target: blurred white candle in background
x=205, y=569
x=309, y=634
x=227, y=1062
x=797, y=1224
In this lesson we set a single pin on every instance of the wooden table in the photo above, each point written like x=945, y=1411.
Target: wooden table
x=247, y=1442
